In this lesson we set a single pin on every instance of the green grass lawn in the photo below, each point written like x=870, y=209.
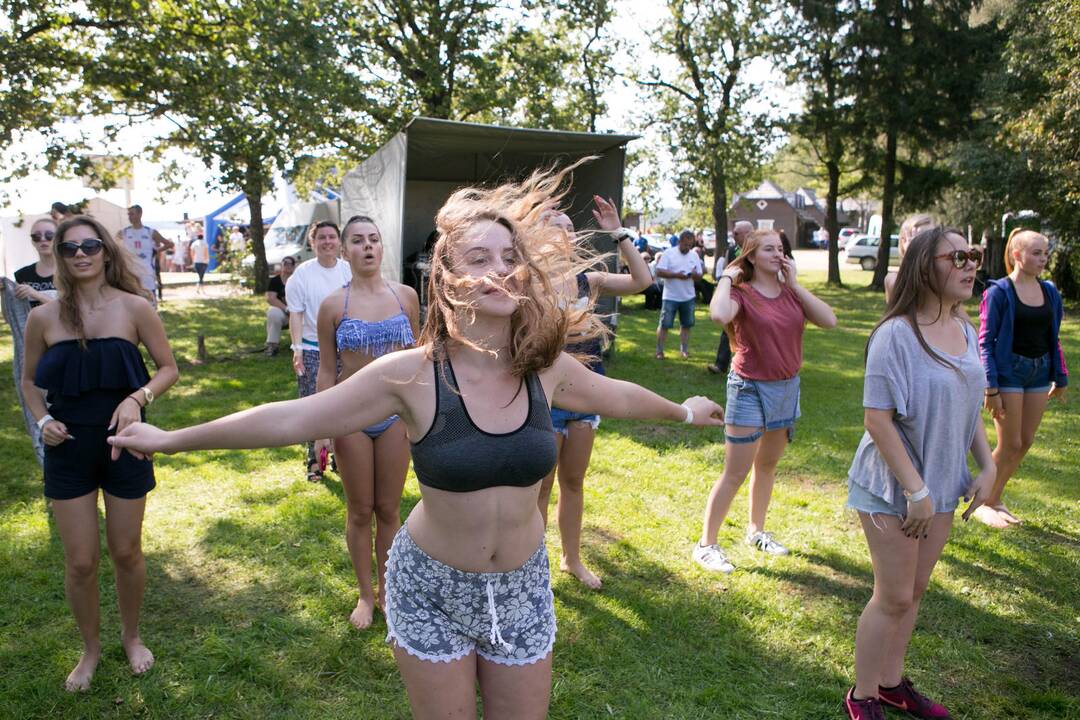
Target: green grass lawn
x=249, y=584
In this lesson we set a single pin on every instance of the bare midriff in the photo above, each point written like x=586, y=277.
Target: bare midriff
x=491, y=530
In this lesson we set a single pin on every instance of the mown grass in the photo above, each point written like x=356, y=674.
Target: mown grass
x=250, y=586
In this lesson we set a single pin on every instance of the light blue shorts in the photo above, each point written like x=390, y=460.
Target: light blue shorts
x=861, y=499
x=765, y=404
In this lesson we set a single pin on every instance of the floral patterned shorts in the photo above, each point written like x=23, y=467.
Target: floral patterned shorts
x=439, y=613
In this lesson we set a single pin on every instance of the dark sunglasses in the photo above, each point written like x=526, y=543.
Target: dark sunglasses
x=960, y=257
x=89, y=247
x=39, y=237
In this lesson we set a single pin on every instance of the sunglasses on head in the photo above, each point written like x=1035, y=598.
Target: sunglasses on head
x=89, y=247
x=39, y=237
x=960, y=257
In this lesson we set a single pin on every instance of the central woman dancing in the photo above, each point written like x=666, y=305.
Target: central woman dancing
x=364, y=320
x=468, y=589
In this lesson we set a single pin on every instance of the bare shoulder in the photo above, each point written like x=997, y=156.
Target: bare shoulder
x=405, y=292
x=137, y=305
x=45, y=313
x=564, y=365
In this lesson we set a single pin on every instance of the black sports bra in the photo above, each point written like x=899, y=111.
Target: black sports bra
x=458, y=456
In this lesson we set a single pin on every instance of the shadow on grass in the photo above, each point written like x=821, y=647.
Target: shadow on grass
x=652, y=644
x=244, y=625
x=1024, y=649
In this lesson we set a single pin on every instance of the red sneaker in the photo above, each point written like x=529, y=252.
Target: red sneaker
x=865, y=709
x=905, y=697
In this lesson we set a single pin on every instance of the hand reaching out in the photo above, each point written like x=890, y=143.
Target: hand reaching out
x=706, y=412
x=140, y=439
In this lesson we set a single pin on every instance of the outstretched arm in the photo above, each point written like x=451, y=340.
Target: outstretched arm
x=365, y=398
x=579, y=389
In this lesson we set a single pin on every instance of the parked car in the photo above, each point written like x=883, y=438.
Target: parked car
x=864, y=251
x=846, y=236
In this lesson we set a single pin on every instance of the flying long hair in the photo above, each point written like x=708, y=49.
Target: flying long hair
x=545, y=254
x=118, y=272
x=915, y=282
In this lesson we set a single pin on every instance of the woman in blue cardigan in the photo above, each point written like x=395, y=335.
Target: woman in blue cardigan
x=1019, y=321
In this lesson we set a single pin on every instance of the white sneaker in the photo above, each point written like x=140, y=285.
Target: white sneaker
x=764, y=542
x=711, y=557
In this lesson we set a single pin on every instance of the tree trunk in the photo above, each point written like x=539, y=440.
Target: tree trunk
x=888, y=200
x=832, y=222
x=253, y=193
x=719, y=212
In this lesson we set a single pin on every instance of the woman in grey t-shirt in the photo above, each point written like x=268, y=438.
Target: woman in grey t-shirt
x=922, y=395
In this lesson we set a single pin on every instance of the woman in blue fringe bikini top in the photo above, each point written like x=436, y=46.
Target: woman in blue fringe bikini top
x=365, y=319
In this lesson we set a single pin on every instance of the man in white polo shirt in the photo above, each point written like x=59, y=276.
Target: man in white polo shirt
x=679, y=267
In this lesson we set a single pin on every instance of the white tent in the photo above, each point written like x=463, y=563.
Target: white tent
x=404, y=183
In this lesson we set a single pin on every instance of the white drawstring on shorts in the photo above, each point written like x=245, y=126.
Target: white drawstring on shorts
x=495, y=637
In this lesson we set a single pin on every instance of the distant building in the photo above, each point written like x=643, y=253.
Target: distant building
x=799, y=213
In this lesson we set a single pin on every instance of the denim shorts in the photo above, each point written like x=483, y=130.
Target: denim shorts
x=685, y=309
x=861, y=499
x=440, y=614
x=1026, y=375
x=764, y=404
x=560, y=417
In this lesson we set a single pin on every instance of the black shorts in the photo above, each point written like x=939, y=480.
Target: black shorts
x=81, y=465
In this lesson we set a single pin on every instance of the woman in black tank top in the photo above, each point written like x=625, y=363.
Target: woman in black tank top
x=473, y=396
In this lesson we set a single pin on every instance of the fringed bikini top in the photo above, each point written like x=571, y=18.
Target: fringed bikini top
x=374, y=338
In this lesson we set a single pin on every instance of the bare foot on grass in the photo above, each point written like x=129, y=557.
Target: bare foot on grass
x=139, y=656
x=1007, y=515
x=991, y=517
x=80, y=677
x=363, y=613
x=587, y=577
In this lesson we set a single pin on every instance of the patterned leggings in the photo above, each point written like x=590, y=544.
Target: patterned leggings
x=306, y=385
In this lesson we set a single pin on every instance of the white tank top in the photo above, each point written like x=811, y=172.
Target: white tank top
x=140, y=243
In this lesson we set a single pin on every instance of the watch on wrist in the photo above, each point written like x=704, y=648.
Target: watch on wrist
x=617, y=236
x=148, y=394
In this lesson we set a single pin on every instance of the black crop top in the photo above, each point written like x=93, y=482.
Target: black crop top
x=457, y=456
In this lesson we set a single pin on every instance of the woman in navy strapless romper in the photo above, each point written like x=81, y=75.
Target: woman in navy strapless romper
x=82, y=349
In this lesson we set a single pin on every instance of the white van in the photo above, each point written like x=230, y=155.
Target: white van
x=287, y=236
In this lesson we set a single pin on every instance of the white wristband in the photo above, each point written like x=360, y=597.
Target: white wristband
x=294, y=347
x=918, y=495
x=689, y=415
x=46, y=418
